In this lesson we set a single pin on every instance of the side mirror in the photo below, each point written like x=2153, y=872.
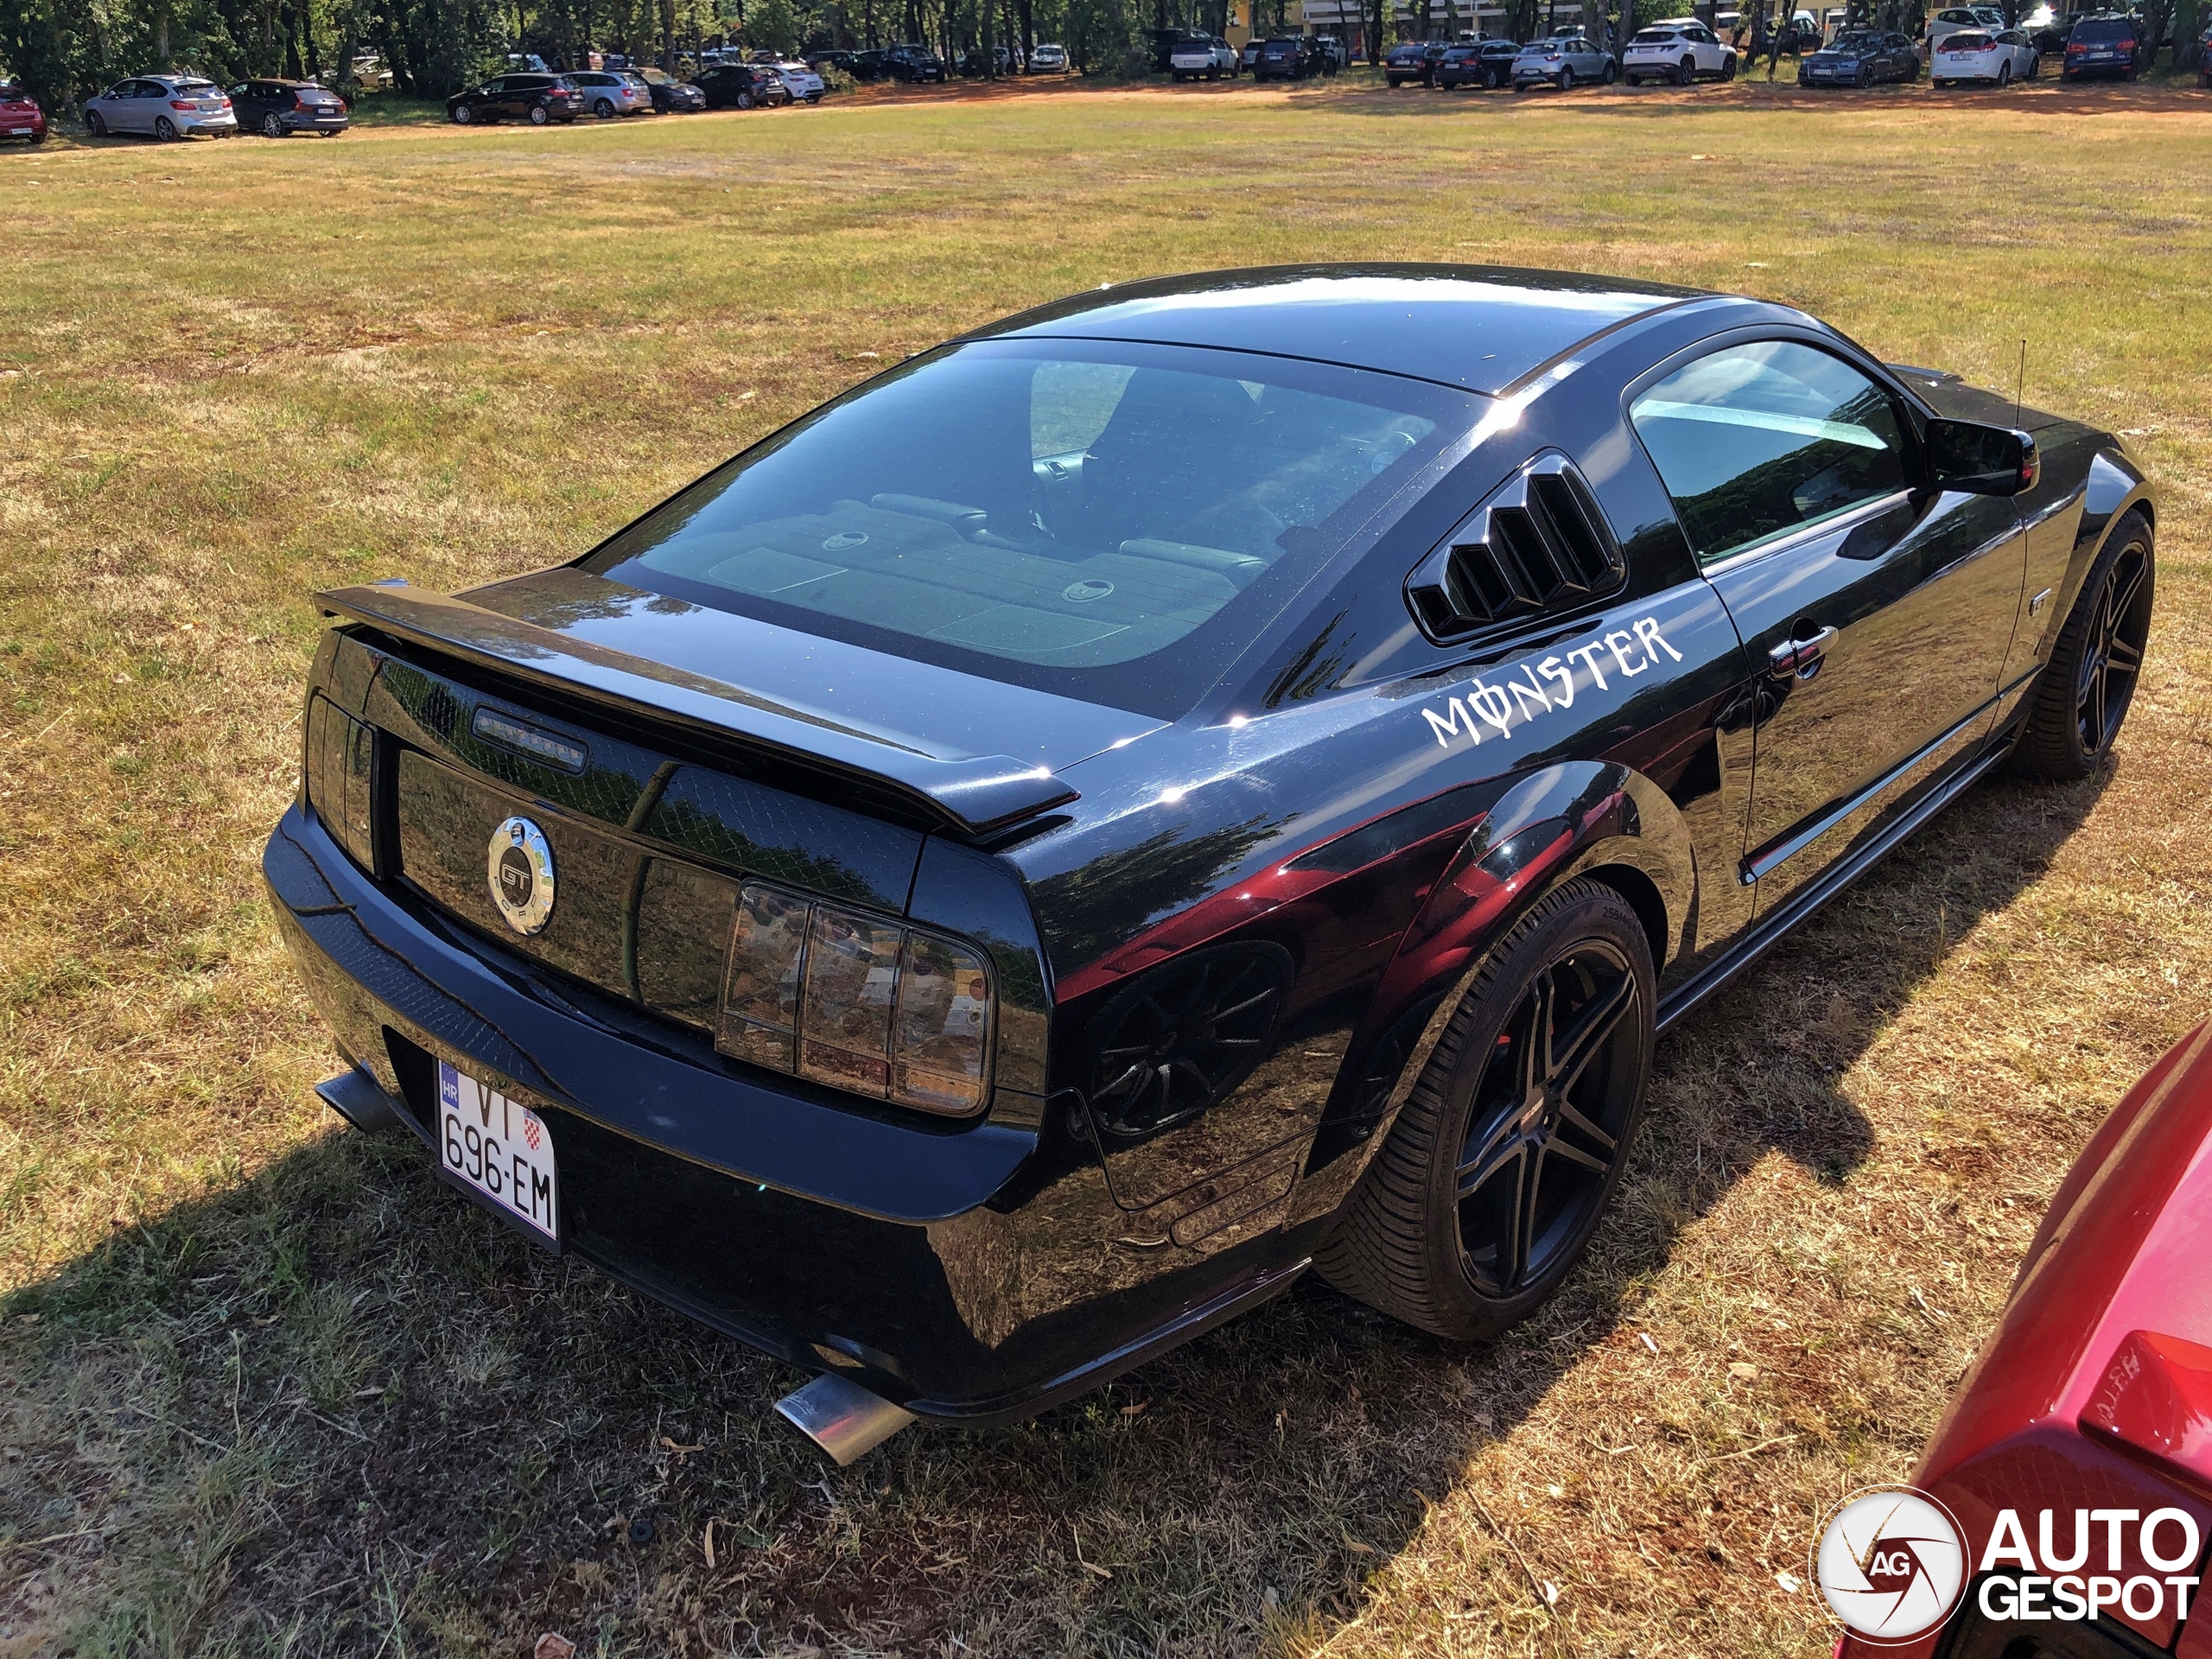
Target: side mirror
x=1980, y=460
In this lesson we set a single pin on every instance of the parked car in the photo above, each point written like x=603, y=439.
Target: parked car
x=1680, y=51
x=1860, y=57
x=1332, y=48
x=1249, y=54
x=166, y=107
x=1487, y=64
x=1049, y=59
x=20, y=115
x=743, y=86
x=1413, y=60
x=535, y=98
x=1323, y=54
x=607, y=93
x=1952, y=19
x=1976, y=54
x=2045, y=30
x=2092, y=1398
x=276, y=108
x=2108, y=44
x=1463, y=65
x=1059, y=924
x=1282, y=58
x=529, y=63
x=1209, y=58
x=802, y=82
x=912, y=64
x=1563, y=61
x=670, y=95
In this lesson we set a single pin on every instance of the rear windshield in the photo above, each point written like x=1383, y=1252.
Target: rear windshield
x=196, y=89
x=2104, y=28
x=1111, y=522
x=1969, y=40
x=9, y=92
x=1653, y=36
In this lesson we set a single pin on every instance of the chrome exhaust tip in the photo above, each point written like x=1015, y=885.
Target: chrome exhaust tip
x=841, y=1417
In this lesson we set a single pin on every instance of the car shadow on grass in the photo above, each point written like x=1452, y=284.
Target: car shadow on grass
x=334, y=1401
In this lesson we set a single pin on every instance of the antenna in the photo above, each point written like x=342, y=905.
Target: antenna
x=2020, y=385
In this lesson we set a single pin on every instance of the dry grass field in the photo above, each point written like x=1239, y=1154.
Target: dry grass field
x=265, y=1388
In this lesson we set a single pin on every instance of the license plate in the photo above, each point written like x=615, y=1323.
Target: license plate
x=19, y=132
x=499, y=1149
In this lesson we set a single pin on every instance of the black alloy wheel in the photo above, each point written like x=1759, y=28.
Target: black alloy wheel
x=1185, y=1035
x=2091, y=677
x=1866, y=76
x=1500, y=1163
x=1686, y=72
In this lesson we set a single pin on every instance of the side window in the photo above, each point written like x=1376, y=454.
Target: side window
x=1759, y=440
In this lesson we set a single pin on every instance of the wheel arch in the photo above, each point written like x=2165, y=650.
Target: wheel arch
x=1589, y=819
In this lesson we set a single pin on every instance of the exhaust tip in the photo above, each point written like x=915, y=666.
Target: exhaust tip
x=841, y=1417
x=360, y=1100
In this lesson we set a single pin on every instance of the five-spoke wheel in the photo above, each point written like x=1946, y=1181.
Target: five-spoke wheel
x=2090, y=680
x=1500, y=1163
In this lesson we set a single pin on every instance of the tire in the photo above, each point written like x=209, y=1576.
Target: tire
x=2078, y=709
x=165, y=129
x=604, y=109
x=2004, y=75
x=1633, y=80
x=38, y=138
x=1939, y=86
x=94, y=125
x=1442, y=1232
x=1607, y=78
x=1866, y=78
x=1728, y=67
x=1567, y=77
x=539, y=115
x=272, y=127
x=743, y=100
x=1686, y=72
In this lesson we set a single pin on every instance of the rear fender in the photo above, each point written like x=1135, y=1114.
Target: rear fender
x=1580, y=817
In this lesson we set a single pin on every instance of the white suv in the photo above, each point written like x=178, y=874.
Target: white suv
x=1680, y=50
x=804, y=83
x=1209, y=57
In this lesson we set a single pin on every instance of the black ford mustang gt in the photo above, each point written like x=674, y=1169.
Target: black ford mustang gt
x=1206, y=779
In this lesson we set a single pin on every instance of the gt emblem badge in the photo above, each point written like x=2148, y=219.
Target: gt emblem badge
x=520, y=868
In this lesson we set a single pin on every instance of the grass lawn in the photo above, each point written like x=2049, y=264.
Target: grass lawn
x=265, y=1387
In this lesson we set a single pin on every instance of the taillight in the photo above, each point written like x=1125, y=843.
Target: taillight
x=2076, y=51
x=858, y=1002
x=182, y=103
x=340, y=749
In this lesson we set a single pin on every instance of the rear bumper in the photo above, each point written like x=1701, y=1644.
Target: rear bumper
x=965, y=1273
x=296, y=121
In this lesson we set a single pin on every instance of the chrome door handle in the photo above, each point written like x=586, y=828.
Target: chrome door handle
x=1799, y=659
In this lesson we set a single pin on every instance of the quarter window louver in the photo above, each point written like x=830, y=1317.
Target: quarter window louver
x=1538, y=543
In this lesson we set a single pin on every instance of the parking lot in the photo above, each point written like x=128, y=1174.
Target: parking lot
x=263, y=1385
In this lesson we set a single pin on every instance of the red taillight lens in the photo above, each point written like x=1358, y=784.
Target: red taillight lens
x=182, y=103
x=2077, y=51
x=858, y=1002
x=341, y=753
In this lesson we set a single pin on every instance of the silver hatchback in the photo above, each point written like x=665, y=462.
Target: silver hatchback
x=162, y=107
x=1563, y=60
x=607, y=94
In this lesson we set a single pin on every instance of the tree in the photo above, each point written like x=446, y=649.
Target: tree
x=773, y=26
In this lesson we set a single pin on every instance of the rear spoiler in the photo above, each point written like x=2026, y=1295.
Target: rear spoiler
x=971, y=794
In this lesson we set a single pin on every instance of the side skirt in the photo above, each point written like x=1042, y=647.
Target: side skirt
x=1767, y=933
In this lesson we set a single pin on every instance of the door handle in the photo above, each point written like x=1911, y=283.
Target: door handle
x=1799, y=659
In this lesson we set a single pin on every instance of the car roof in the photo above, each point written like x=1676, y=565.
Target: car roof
x=1479, y=328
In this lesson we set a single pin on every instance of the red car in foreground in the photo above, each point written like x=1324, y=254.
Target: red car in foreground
x=2076, y=1457
x=20, y=116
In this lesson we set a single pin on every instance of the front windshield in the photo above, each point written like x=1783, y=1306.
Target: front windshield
x=1111, y=522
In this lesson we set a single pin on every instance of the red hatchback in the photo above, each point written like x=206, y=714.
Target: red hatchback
x=20, y=115
x=2076, y=1457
